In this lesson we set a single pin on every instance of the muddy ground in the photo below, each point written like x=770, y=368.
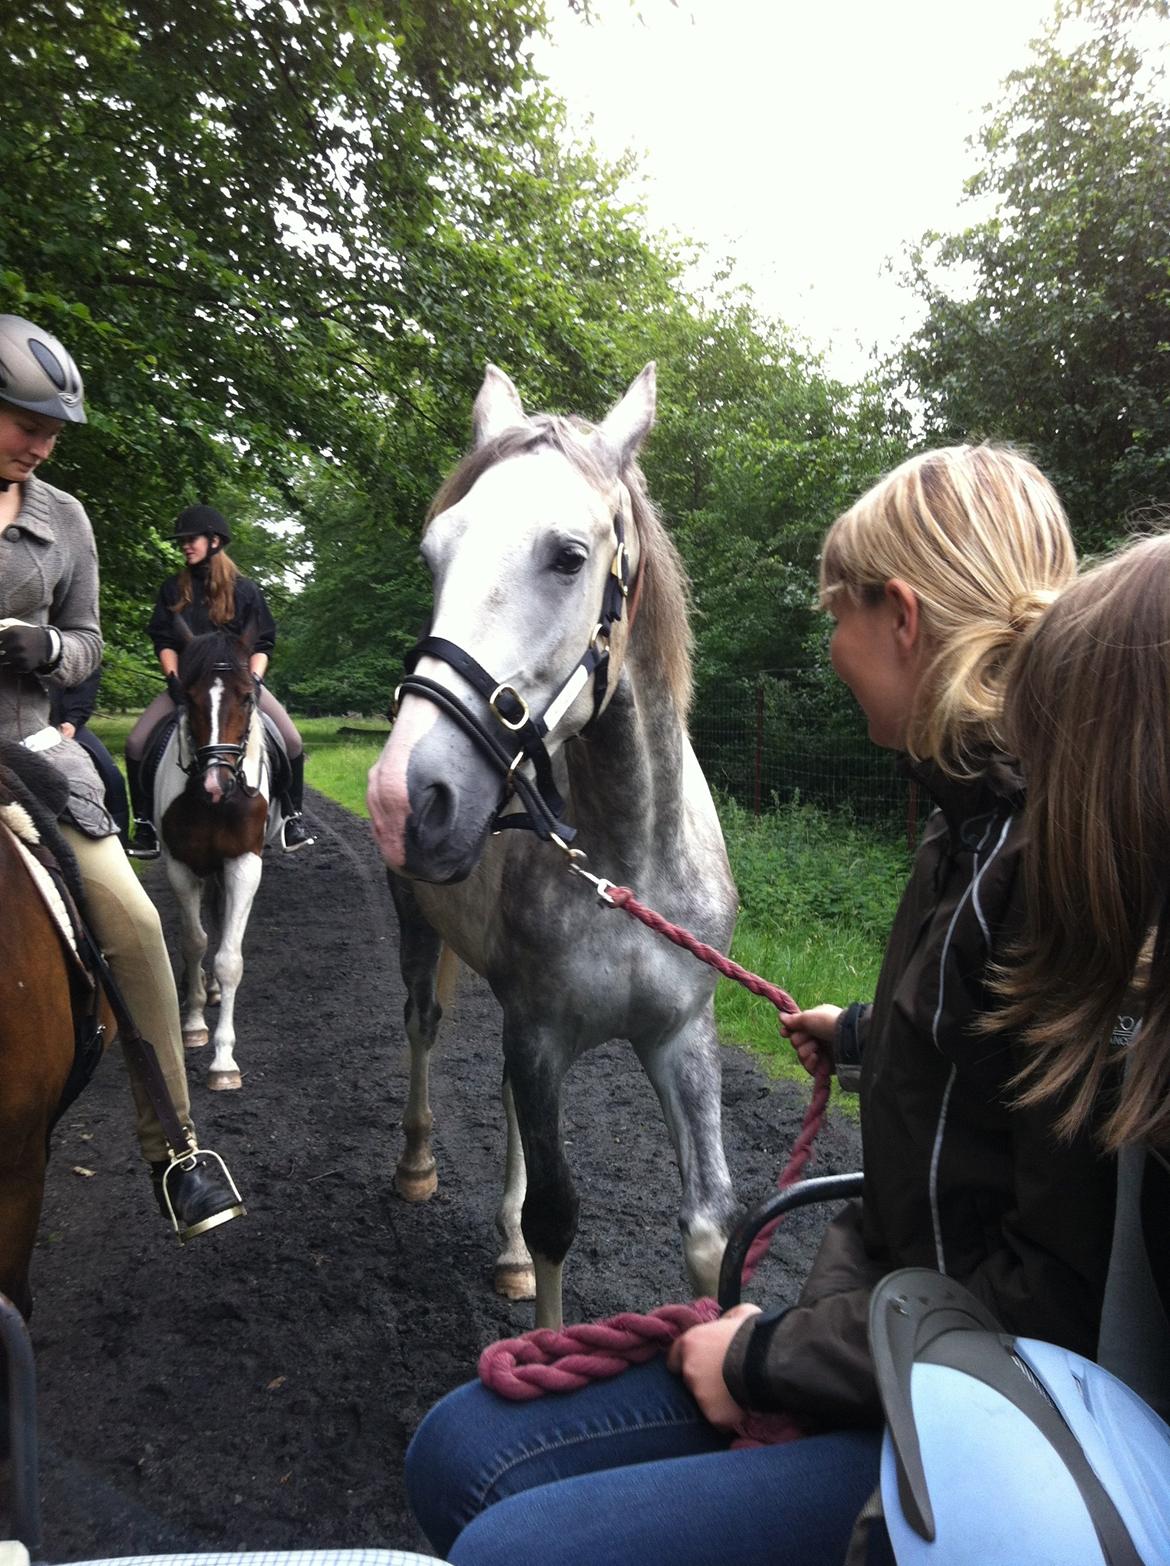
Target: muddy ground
x=257, y=1388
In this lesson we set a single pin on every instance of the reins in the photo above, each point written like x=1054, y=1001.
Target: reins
x=545, y=1360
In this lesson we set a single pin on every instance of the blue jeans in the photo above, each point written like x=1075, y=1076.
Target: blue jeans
x=629, y=1471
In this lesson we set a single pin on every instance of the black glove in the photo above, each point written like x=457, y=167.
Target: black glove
x=175, y=690
x=26, y=648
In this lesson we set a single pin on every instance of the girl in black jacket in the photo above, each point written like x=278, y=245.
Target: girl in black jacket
x=210, y=594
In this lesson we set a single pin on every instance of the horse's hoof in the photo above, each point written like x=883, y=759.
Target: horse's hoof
x=224, y=1081
x=515, y=1281
x=416, y=1185
x=213, y=995
x=194, y=1038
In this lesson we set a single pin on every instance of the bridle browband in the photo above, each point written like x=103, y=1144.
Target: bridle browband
x=223, y=753
x=519, y=736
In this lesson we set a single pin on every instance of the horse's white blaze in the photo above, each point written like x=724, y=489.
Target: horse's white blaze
x=211, y=780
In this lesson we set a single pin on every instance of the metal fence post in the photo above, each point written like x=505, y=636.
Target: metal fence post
x=759, y=744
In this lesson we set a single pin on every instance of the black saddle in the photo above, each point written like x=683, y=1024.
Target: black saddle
x=36, y=784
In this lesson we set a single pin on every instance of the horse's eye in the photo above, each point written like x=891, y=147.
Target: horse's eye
x=568, y=561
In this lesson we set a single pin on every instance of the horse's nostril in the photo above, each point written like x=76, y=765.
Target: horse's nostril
x=434, y=814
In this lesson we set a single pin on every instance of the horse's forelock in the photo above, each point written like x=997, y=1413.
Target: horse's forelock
x=662, y=641
x=198, y=659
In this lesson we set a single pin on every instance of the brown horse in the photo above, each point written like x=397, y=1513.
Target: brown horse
x=39, y=981
x=212, y=794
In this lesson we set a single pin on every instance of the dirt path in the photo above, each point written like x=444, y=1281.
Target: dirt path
x=257, y=1389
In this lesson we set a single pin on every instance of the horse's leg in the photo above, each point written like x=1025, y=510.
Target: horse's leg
x=514, y=1275
x=685, y=1072
x=241, y=877
x=188, y=890
x=420, y=952
x=536, y=1060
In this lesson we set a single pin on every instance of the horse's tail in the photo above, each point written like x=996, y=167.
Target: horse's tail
x=446, y=976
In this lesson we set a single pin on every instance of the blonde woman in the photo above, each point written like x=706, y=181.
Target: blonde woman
x=931, y=579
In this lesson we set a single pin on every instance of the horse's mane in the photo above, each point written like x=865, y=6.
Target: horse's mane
x=662, y=643
x=201, y=654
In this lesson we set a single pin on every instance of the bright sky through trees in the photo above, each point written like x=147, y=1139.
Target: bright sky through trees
x=809, y=141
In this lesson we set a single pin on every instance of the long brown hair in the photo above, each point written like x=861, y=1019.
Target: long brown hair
x=979, y=534
x=1088, y=712
x=222, y=575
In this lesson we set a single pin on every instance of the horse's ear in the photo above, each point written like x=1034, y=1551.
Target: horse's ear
x=626, y=427
x=186, y=634
x=497, y=408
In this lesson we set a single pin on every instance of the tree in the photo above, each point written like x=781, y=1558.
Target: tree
x=220, y=209
x=756, y=450
x=1046, y=322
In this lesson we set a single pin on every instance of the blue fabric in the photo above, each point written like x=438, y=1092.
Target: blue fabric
x=628, y=1470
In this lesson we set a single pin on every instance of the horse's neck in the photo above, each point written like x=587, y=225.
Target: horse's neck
x=627, y=777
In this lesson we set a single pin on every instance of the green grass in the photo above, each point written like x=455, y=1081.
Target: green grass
x=817, y=890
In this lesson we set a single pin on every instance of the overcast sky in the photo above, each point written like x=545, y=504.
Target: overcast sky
x=811, y=139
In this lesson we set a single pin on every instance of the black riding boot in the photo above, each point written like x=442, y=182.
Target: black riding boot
x=196, y=1193
x=143, y=837
x=295, y=834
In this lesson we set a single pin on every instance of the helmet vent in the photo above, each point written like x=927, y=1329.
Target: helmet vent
x=49, y=363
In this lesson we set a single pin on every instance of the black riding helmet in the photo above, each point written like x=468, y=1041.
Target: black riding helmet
x=197, y=520
x=38, y=373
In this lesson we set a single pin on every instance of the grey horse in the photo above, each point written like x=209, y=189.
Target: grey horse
x=525, y=542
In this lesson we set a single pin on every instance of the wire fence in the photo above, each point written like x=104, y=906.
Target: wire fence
x=782, y=736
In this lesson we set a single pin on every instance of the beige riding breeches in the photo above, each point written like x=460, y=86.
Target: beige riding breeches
x=126, y=925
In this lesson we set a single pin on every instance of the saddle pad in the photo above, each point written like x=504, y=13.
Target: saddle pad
x=152, y=751
x=51, y=897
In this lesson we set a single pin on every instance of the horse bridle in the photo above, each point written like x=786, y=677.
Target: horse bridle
x=229, y=754
x=520, y=736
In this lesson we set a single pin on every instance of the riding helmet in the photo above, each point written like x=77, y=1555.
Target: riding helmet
x=38, y=373
x=197, y=520
x=1008, y=1449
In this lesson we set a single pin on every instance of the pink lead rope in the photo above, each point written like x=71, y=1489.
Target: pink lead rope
x=550, y=1361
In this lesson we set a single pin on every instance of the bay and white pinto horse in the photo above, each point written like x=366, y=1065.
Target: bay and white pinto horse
x=533, y=543
x=212, y=792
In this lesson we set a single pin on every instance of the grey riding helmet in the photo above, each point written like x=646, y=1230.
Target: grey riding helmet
x=198, y=520
x=38, y=373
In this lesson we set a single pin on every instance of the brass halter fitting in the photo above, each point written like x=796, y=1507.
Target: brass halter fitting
x=512, y=724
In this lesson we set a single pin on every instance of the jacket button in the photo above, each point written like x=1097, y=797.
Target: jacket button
x=12, y=533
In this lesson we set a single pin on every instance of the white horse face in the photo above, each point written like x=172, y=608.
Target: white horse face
x=520, y=566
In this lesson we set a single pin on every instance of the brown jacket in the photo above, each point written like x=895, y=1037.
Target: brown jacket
x=954, y=1178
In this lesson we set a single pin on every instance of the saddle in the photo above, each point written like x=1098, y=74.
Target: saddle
x=32, y=793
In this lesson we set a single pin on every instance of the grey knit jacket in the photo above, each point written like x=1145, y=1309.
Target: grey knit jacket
x=49, y=576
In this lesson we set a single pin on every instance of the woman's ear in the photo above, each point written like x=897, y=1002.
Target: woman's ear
x=902, y=602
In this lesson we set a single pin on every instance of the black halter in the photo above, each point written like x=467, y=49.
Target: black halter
x=223, y=753
x=520, y=736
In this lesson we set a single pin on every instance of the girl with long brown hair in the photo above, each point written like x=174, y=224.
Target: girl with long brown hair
x=1088, y=710
x=209, y=593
